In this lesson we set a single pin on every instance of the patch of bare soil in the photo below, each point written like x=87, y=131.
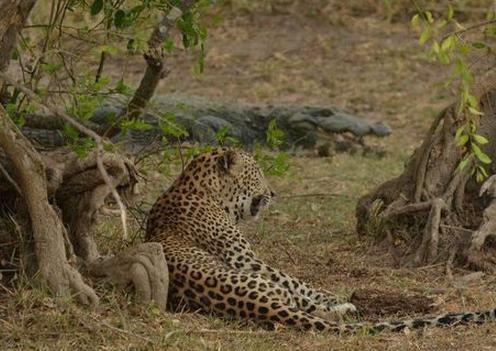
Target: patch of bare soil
x=374, y=303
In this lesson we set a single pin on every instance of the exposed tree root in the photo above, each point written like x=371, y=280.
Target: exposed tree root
x=143, y=266
x=435, y=212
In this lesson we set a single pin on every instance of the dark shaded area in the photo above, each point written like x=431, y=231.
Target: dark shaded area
x=373, y=303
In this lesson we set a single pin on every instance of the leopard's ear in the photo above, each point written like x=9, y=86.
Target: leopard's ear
x=230, y=162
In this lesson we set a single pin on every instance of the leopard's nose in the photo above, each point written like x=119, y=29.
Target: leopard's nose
x=272, y=194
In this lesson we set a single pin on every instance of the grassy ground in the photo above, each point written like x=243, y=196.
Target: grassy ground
x=294, y=52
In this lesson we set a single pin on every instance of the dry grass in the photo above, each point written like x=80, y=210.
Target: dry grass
x=294, y=53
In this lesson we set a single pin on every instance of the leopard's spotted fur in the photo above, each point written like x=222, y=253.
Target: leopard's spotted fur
x=213, y=267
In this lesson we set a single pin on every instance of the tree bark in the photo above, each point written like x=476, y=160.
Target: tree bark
x=48, y=230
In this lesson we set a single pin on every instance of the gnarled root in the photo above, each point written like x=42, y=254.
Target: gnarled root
x=143, y=266
x=433, y=211
x=485, y=230
x=84, y=192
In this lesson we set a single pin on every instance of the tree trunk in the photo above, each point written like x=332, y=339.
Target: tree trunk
x=47, y=228
x=435, y=211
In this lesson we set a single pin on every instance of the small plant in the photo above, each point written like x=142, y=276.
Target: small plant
x=274, y=163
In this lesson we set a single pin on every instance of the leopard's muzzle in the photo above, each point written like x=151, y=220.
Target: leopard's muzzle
x=259, y=202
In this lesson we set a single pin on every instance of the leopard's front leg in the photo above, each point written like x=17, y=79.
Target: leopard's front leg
x=239, y=255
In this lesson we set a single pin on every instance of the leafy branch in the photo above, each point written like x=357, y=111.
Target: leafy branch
x=450, y=48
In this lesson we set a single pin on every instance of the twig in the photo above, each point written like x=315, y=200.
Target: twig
x=180, y=151
x=10, y=179
x=431, y=233
x=289, y=255
x=99, y=71
x=434, y=265
x=311, y=195
x=449, y=264
x=121, y=331
x=475, y=26
x=233, y=332
x=437, y=206
x=457, y=228
x=115, y=194
x=421, y=167
x=84, y=130
x=419, y=206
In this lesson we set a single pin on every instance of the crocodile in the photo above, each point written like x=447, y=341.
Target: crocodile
x=201, y=119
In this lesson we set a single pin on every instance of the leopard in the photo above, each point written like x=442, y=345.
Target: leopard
x=213, y=268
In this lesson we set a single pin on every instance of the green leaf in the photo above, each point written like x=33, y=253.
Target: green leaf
x=471, y=100
x=134, y=124
x=441, y=23
x=51, y=68
x=428, y=15
x=20, y=121
x=474, y=111
x=11, y=109
x=274, y=135
x=131, y=45
x=479, y=45
x=111, y=49
x=479, y=177
x=122, y=88
x=280, y=164
x=465, y=49
x=435, y=47
x=82, y=147
x=96, y=7
x=168, y=45
x=450, y=12
x=70, y=132
x=480, y=139
x=482, y=170
x=444, y=58
x=462, y=140
x=415, y=20
x=448, y=43
x=168, y=126
x=120, y=19
x=481, y=156
x=463, y=164
x=221, y=134
x=425, y=35
x=459, y=132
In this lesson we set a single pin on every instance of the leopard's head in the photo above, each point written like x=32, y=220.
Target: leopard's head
x=232, y=177
x=243, y=189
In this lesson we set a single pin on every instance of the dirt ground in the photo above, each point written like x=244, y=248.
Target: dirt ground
x=321, y=52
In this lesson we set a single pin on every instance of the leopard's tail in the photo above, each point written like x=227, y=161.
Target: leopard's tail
x=442, y=320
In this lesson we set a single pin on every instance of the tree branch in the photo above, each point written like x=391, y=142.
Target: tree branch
x=155, y=60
